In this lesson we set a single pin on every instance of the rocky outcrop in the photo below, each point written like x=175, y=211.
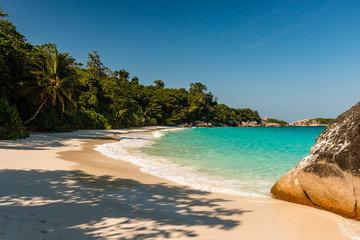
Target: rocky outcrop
x=199, y=124
x=329, y=177
x=249, y=124
x=266, y=122
x=273, y=122
x=272, y=125
x=307, y=123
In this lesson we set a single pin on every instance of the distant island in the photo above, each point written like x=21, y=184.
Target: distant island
x=265, y=122
x=310, y=122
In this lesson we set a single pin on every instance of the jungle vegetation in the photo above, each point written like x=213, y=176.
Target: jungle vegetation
x=273, y=120
x=42, y=89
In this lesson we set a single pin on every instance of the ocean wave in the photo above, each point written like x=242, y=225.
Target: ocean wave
x=160, y=133
x=125, y=149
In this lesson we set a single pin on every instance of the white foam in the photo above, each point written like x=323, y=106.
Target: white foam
x=350, y=229
x=160, y=133
x=125, y=150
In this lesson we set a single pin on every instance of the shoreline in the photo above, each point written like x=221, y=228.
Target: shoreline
x=259, y=126
x=127, y=149
x=112, y=199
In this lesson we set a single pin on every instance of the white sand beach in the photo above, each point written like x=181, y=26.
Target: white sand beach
x=56, y=186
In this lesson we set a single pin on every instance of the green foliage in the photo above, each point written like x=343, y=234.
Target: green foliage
x=159, y=83
x=153, y=121
x=201, y=103
x=273, y=120
x=95, y=66
x=320, y=121
x=324, y=120
x=234, y=117
x=105, y=99
x=52, y=119
x=10, y=122
x=222, y=113
x=247, y=115
x=55, y=81
x=92, y=120
x=15, y=53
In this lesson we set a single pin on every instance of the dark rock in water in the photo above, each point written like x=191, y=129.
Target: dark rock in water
x=329, y=177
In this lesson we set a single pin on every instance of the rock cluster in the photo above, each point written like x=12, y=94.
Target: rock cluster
x=263, y=123
x=306, y=123
x=272, y=125
x=199, y=124
x=329, y=177
x=249, y=124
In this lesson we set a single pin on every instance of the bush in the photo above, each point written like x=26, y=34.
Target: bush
x=10, y=123
x=153, y=121
x=50, y=119
x=273, y=120
x=92, y=120
x=324, y=120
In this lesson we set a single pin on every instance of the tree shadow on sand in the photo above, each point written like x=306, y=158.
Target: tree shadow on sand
x=75, y=205
x=46, y=141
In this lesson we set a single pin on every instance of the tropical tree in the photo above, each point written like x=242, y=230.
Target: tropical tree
x=14, y=52
x=55, y=81
x=95, y=66
x=159, y=83
x=201, y=103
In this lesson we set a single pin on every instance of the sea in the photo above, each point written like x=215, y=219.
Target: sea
x=241, y=161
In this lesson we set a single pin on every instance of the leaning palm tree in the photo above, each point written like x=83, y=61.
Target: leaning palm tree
x=55, y=81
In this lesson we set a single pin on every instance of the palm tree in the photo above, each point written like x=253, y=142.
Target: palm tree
x=55, y=81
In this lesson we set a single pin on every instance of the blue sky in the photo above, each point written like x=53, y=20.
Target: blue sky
x=287, y=59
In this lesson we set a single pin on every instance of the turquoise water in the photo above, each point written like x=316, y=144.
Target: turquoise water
x=247, y=160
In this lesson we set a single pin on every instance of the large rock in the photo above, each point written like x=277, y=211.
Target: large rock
x=249, y=124
x=329, y=177
x=272, y=125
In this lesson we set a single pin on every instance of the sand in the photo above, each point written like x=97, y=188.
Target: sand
x=56, y=186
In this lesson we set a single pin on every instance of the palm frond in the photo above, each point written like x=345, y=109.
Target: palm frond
x=56, y=79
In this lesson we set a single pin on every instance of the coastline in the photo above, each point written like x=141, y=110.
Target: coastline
x=72, y=190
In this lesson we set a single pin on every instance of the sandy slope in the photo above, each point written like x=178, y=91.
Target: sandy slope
x=55, y=186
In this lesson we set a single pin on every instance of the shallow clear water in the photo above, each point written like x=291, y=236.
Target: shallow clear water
x=243, y=161
x=247, y=161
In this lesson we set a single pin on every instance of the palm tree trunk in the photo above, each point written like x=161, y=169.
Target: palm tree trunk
x=36, y=113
